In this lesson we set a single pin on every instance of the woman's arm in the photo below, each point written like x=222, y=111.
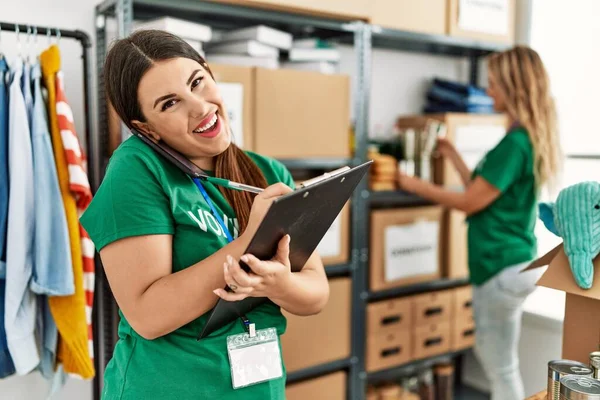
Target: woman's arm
x=157, y=301
x=478, y=195
x=154, y=300
x=300, y=293
x=447, y=150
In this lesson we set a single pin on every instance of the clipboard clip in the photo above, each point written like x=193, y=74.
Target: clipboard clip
x=323, y=177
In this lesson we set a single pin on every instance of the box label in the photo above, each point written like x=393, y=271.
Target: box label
x=478, y=138
x=485, y=16
x=330, y=245
x=411, y=250
x=233, y=98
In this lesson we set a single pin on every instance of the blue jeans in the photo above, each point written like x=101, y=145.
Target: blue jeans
x=498, y=307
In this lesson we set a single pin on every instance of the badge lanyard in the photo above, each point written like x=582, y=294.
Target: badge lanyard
x=213, y=209
x=248, y=326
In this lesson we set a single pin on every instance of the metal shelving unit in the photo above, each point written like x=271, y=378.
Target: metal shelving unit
x=363, y=37
x=318, y=370
x=411, y=368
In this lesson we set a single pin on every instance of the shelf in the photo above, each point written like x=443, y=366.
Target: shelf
x=337, y=270
x=410, y=368
x=316, y=163
x=432, y=286
x=396, y=199
x=434, y=44
x=233, y=16
x=319, y=370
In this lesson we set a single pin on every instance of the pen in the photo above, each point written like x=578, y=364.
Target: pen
x=232, y=185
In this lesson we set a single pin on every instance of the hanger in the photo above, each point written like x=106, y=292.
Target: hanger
x=19, y=46
x=28, y=44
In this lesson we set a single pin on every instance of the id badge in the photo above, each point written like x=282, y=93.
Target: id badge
x=254, y=358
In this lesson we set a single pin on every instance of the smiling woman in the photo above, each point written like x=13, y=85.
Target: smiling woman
x=164, y=244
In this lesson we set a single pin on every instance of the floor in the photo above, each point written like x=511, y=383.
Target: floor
x=467, y=393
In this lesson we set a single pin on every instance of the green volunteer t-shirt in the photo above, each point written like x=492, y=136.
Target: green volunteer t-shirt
x=502, y=234
x=143, y=194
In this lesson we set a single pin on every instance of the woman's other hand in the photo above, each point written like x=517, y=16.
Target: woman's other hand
x=266, y=278
x=445, y=148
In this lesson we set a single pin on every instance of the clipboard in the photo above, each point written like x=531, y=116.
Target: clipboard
x=305, y=214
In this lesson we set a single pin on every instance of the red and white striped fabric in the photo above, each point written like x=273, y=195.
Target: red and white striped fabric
x=80, y=187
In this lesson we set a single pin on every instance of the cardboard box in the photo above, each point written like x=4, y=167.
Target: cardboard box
x=334, y=247
x=432, y=308
x=463, y=303
x=292, y=121
x=482, y=20
x=463, y=333
x=456, y=251
x=431, y=340
x=300, y=351
x=405, y=246
x=581, y=326
x=388, y=350
x=389, y=316
x=425, y=16
x=472, y=134
x=244, y=76
x=338, y=9
x=330, y=387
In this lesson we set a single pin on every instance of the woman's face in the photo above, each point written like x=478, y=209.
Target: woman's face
x=183, y=106
x=496, y=94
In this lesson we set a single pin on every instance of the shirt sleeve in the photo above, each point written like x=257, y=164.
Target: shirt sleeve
x=130, y=202
x=504, y=165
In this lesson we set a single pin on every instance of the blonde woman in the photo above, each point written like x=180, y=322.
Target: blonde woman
x=500, y=199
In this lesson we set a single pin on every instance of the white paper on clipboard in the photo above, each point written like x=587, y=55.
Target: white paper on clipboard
x=485, y=16
x=233, y=98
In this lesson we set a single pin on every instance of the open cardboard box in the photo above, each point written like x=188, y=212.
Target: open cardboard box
x=581, y=326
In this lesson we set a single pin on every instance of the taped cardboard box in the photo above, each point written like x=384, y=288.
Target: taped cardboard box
x=482, y=20
x=301, y=351
x=455, y=250
x=389, y=350
x=338, y=9
x=405, y=246
x=424, y=16
x=330, y=387
x=581, y=326
x=334, y=247
x=431, y=340
x=238, y=100
x=432, y=308
x=292, y=121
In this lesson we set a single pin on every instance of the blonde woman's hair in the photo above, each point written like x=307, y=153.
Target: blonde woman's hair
x=520, y=77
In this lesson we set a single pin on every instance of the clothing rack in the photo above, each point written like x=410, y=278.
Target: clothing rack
x=91, y=144
x=86, y=44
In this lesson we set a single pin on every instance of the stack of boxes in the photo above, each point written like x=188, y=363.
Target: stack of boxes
x=418, y=327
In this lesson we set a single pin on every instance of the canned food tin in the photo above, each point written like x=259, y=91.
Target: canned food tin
x=574, y=387
x=559, y=368
x=595, y=364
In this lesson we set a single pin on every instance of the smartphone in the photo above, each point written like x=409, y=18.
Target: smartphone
x=172, y=155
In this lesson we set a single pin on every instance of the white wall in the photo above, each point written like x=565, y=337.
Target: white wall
x=66, y=14
x=399, y=81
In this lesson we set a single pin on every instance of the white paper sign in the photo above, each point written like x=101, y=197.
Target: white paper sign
x=330, y=245
x=485, y=16
x=411, y=250
x=477, y=138
x=233, y=98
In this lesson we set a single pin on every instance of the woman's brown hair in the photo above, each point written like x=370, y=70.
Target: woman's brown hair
x=126, y=63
